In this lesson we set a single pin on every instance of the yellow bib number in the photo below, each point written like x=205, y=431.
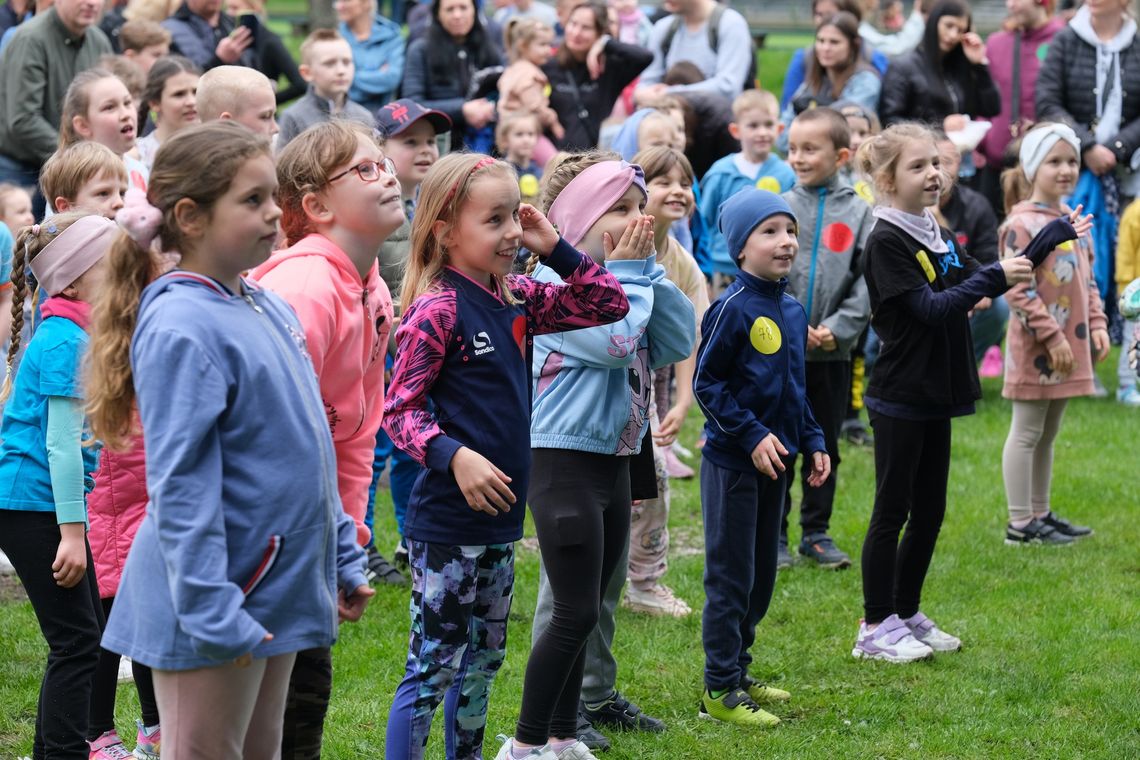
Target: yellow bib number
x=927, y=267
x=765, y=336
x=771, y=184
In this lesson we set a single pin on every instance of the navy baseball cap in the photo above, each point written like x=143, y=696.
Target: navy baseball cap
x=395, y=117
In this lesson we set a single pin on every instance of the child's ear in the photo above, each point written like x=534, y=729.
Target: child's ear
x=225, y=116
x=189, y=218
x=61, y=204
x=306, y=72
x=81, y=127
x=315, y=209
x=442, y=232
x=842, y=156
x=734, y=130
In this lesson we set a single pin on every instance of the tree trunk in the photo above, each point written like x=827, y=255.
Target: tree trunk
x=321, y=14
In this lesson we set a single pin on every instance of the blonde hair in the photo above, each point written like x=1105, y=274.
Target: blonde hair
x=72, y=167
x=196, y=164
x=510, y=119
x=150, y=10
x=561, y=170
x=77, y=102
x=223, y=89
x=1015, y=186
x=29, y=242
x=443, y=193
x=6, y=189
x=519, y=32
x=878, y=156
x=755, y=100
x=142, y=33
x=316, y=37
x=305, y=167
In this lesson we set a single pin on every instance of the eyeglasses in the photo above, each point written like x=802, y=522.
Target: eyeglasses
x=368, y=171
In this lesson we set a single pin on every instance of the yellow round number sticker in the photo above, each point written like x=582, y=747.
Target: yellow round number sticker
x=528, y=186
x=771, y=184
x=863, y=190
x=765, y=336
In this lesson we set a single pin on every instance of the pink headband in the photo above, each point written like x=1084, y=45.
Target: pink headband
x=482, y=163
x=72, y=252
x=589, y=196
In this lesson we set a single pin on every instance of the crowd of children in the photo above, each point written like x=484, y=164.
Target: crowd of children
x=218, y=344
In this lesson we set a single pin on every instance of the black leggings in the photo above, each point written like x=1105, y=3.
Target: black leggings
x=106, y=683
x=581, y=507
x=912, y=464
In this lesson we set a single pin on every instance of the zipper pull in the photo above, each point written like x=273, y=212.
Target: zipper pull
x=249, y=300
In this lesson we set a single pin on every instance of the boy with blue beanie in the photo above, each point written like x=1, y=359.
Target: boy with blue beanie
x=750, y=384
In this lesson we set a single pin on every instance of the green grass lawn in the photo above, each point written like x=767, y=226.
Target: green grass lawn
x=1049, y=667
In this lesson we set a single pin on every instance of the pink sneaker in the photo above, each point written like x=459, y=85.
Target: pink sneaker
x=675, y=467
x=108, y=747
x=148, y=743
x=991, y=363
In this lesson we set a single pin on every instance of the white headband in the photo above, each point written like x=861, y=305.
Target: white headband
x=1038, y=142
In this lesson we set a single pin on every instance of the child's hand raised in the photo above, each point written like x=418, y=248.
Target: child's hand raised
x=538, y=234
x=820, y=469
x=1082, y=224
x=636, y=242
x=766, y=456
x=484, y=485
x=1017, y=270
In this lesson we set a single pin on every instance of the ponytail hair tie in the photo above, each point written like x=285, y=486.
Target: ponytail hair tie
x=140, y=220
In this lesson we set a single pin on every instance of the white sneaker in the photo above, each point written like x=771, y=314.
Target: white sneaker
x=537, y=753
x=655, y=600
x=924, y=629
x=891, y=641
x=577, y=751
x=126, y=673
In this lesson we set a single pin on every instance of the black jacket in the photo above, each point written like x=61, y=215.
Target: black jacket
x=912, y=92
x=582, y=114
x=1066, y=91
x=443, y=90
x=973, y=222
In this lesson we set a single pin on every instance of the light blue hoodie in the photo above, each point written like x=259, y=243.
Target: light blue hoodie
x=591, y=386
x=379, y=62
x=244, y=533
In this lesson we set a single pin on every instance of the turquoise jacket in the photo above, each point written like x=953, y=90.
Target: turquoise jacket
x=379, y=62
x=724, y=180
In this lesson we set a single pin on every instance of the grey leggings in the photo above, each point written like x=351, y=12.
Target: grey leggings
x=1027, y=459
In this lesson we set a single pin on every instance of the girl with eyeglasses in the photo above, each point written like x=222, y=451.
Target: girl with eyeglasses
x=339, y=201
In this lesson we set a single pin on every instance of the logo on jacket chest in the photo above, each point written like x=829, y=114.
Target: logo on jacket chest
x=481, y=342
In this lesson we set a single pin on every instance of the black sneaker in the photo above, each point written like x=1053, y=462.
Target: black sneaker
x=1036, y=532
x=400, y=558
x=1064, y=527
x=784, y=558
x=822, y=550
x=380, y=571
x=618, y=712
x=856, y=433
x=593, y=738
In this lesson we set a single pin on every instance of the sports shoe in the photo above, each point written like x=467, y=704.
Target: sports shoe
x=590, y=736
x=856, y=432
x=126, y=671
x=761, y=692
x=400, y=558
x=1128, y=395
x=658, y=599
x=380, y=571
x=618, y=712
x=891, y=641
x=576, y=751
x=108, y=747
x=675, y=467
x=1064, y=527
x=820, y=548
x=735, y=707
x=784, y=558
x=147, y=745
x=991, y=363
x=1036, y=532
x=924, y=629
x=537, y=753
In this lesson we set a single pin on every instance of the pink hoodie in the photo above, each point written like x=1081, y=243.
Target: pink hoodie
x=346, y=324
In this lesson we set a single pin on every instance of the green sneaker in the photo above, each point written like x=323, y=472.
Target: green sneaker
x=762, y=693
x=736, y=707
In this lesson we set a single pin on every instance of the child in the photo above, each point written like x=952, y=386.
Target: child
x=254, y=562
x=171, y=96
x=750, y=384
x=45, y=468
x=411, y=143
x=516, y=136
x=669, y=184
x=1056, y=314
x=633, y=26
x=99, y=107
x=523, y=86
x=467, y=333
x=15, y=212
x=1127, y=270
x=833, y=224
x=756, y=125
x=239, y=94
x=127, y=72
x=339, y=200
x=143, y=43
x=922, y=287
x=326, y=64
x=86, y=175
x=863, y=125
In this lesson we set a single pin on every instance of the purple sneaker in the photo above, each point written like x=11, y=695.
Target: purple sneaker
x=924, y=629
x=891, y=641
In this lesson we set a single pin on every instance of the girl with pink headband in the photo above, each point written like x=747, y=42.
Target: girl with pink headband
x=589, y=442
x=46, y=469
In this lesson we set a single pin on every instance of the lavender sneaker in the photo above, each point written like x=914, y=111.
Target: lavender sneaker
x=924, y=629
x=891, y=641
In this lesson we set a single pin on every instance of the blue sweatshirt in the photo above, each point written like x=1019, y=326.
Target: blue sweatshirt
x=244, y=533
x=750, y=373
x=724, y=180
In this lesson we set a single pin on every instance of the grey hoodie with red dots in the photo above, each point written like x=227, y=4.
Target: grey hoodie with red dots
x=827, y=274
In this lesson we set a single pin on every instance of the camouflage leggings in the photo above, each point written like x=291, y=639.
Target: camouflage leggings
x=460, y=599
x=310, y=687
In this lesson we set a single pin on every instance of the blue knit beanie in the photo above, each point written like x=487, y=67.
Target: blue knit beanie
x=746, y=211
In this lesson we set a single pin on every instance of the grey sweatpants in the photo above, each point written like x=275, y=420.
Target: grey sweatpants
x=1027, y=459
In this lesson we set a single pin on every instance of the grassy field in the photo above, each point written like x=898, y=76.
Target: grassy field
x=1049, y=667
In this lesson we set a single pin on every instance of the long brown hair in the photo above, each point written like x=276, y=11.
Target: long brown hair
x=197, y=163
x=848, y=26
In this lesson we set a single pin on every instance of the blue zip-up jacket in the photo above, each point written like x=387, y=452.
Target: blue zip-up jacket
x=379, y=62
x=244, y=533
x=750, y=373
x=591, y=387
x=724, y=180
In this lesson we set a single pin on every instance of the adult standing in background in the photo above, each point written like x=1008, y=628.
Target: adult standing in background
x=377, y=52
x=588, y=74
x=270, y=56
x=440, y=66
x=1015, y=53
x=685, y=36
x=36, y=69
x=201, y=32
